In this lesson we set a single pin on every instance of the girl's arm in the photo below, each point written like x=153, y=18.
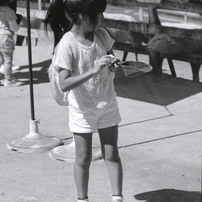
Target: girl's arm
x=68, y=82
x=110, y=52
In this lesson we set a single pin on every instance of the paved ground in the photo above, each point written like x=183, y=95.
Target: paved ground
x=160, y=138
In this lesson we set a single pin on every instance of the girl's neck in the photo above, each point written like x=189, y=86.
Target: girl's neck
x=82, y=36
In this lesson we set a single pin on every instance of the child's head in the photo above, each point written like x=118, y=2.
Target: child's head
x=62, y=14
x=86, y=8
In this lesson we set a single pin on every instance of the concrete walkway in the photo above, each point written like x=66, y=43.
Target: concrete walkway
x=160, y=139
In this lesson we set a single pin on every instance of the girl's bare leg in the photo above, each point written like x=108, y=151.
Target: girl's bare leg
x=108, y=139
x=83, y=158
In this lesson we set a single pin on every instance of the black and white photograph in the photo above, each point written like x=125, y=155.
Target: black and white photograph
x=101, y=100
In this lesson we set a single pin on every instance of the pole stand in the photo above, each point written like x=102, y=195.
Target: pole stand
x=34, y=142
x=67, y=152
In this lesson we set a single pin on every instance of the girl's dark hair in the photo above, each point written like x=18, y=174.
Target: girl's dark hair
x=62, y=14
x=4, y=2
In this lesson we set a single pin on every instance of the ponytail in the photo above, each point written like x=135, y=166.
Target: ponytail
x=57, y=18
x=62, y=14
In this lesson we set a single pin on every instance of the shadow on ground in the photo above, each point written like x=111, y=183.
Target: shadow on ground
x=157, y=89
x=169, y=195
x=39, y=72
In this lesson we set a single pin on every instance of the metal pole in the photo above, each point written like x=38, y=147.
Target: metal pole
x=34, y=142
x=39, y=5
x=30, y=61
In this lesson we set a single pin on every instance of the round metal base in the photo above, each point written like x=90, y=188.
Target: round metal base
x=67, y=153
x=34, y=142
x=27, y=145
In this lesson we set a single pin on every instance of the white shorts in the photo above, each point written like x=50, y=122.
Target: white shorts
x=89, y=120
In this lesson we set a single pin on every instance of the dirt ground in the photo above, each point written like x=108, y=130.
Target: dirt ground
x=160, y=137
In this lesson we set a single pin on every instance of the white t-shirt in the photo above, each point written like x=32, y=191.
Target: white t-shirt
x=77, y=58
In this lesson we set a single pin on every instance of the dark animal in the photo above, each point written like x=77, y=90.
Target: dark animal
x=165, y=44
x=125, y=36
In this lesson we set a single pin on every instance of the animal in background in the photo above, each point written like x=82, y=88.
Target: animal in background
x=125, y=36
x=165, y=44
x=120, y=35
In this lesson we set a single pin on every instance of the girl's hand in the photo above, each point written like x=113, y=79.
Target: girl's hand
x=103, y=62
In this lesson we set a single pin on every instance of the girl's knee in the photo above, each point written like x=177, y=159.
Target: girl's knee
x=83, y=160
x=111, y=155
x=112, y=158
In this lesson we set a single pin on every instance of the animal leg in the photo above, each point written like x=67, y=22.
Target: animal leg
x=125, y=54
x=172, y=68
x=156, y=62
x=195, y=71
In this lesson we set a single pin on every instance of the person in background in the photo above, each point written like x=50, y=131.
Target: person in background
x=19, y=38
x=8, y=25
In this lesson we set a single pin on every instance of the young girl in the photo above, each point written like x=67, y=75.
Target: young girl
x=8, y=26
x=82, y=59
